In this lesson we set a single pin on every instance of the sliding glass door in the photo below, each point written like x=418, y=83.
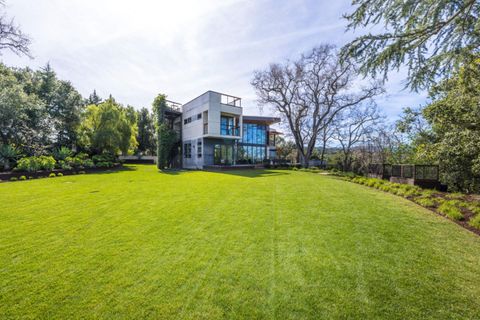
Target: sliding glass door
x=223, y=154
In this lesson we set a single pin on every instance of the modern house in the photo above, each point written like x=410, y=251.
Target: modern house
x=216, y=133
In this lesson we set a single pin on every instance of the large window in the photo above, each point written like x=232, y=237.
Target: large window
x=223, y=154
x=227, y=126
x=254, y=133
x=251, y=154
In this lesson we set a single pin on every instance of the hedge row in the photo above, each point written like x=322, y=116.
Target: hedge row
x=452, y=205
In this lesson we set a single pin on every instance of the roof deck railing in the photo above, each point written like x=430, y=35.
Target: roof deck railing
x=230, y=100
x=174, y=106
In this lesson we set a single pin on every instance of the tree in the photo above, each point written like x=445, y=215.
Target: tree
x=63, y=104
x=146, y=132
x=93, y=98
x=286, y=150
x=11, y=37
x=309, y=93
x=166, y=137
x=23, y=118
x=432, y=38
x=108, y=128
x=354, y=127
x=454, y=116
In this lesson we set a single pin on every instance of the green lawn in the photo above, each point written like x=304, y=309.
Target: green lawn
x=252, y=244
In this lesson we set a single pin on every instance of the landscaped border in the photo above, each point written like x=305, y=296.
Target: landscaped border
x=7, y=176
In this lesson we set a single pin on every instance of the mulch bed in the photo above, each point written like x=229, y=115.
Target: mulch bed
x=5, y=176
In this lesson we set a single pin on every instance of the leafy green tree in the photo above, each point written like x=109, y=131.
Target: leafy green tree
x=454, y=116
x=23, y=118
x=431, y=37
x=166, y=137
x=108, y=128
x=146, y=132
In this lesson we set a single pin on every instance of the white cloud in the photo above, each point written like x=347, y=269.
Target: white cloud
x=135, y=50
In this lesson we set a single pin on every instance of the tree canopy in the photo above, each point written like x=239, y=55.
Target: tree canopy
x=431, y=37
x=108, y=128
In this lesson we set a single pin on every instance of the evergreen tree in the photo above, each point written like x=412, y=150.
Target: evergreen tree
x=93, y=98
x=146, y=132
x=431, y=37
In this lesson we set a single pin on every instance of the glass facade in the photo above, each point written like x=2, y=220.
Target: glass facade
x=227, y=126
x=250, y=154
x=252, y=147
x=254, y=133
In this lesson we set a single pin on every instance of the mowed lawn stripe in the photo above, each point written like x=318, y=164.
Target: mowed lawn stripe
x=243, y=244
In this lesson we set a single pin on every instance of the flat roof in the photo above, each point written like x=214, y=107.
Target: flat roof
x=268, y=120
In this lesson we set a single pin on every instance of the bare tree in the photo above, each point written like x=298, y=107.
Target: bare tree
x=325, y=135
x=355, y=127
x=309, y=93
x=11, y=37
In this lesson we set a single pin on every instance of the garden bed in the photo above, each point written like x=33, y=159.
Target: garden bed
x=6, y=176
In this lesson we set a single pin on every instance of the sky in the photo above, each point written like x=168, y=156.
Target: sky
x=137, y=49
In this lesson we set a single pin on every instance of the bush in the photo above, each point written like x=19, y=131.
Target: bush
x=52, y=175
x=105, y=164
x=64, y=165
x=59, y=174
x=88, y=163
x=426, y=202
x=105, y=157
x=81, y=172
x=30, y=178
x=62, y=153
x=13, y=179
x=22, y=178
x=451, y=210
x=32, y=164
x=47, y=162
x=475, y=222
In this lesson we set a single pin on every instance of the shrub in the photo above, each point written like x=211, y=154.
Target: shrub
x=64, y=165
x=59, y=174
x=475, y=222
x=426, y=202
x=47, y=162
x=30, y=177
x=22, y=178
x=13, y=179
x=451, y=210
x=88, y=163
x=52, y=175
x=454, y=195
x=32, y=164
x=62, y=153
x=81, y=172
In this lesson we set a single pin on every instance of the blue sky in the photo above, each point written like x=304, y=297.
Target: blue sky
x=136, y=49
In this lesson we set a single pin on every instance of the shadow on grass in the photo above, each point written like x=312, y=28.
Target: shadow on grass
x=252, y=173
x=113, y=170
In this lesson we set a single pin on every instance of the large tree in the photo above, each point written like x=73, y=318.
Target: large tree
x=24, y=121
x=146, y=132
x=431, y=37
x=108, y=128
x=11, y=37
x=308, y=93
x=454, y=116
x=354, y=127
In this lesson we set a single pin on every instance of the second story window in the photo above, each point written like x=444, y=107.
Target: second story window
x=227, y=127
